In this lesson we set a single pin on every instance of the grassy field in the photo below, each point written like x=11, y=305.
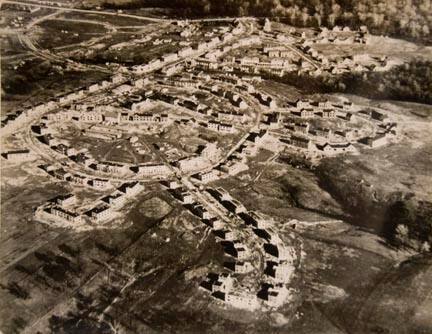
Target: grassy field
x=57, y=32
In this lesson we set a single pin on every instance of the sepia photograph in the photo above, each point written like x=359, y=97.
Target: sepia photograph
x=216, y=166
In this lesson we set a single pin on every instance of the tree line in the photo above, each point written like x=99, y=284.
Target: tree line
x=409, y=19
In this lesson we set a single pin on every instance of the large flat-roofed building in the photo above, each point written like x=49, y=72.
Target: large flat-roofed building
x=100, y=183
x=191, y=163
x=116, y=199
x=209, y=176
x=131, y=188
x=100, y=213
x=301, y=142
x=65, y=214
x=64, y=200
x=91, y=117
x=152, y=169
x=110, y=167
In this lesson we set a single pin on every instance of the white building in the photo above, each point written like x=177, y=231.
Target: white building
x=192, y=163
x=101, y=213
x=91, y=117
x=66, y=215
x=209, y=176
x=153, y=170
x=66, y=200
x=170, y=57
x=277, y=296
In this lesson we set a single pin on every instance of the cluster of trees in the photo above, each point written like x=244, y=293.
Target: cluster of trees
x=408, y=18
x=410, y=224
x=408, y=82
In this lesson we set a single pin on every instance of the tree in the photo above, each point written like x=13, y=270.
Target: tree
x=402, y=234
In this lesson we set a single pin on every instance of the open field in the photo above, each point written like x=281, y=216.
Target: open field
x=58, y=32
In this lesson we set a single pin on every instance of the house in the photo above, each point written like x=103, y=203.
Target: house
x=186, y=52
x=139, y=106
x=225, y=128
x=201, y=212
x=233, y=168
x=99, y=183
x=65, y=200
x=218, y=282
x=18, y=155
x=376, y=141
x=327, y=113
x=140, y=83
x=239, y=267
x=171, y=184
x=94, y=88
x=115, y=200
x=131, y=188
x=301, y=142
x=211, y=152
x=280, y=251
x=61, y=174
x=220, y=194
x=81, y=158
x=257, y=137
x=153, y=64
x=64, y=149
x=182, y=195
x=91, y=117
x=347, y=134
x=152, y=169
x=378, y=116
x=332, y=149
x=274, y=295
x=299, y=127
x=209, y=176
x=304, y=113
x=169, y=57
x=214, y=223
x=254, y=219
x=263, y=234
x=236, y=249
x=225, y=234
x=273, y=53
x=233, y=206
x=109, y=167
x=100, y=213
x=41, y=129
x=78, y=179
x=300, y=104
x=323, y=132
x=249, y=61
x=59, y=116
x=280, y=271
x=189, y=164
x=64, y=214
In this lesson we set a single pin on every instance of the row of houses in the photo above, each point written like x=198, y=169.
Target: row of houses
x=103, y=210
x=176, y=56
x=279, y=268
x=74, y=178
